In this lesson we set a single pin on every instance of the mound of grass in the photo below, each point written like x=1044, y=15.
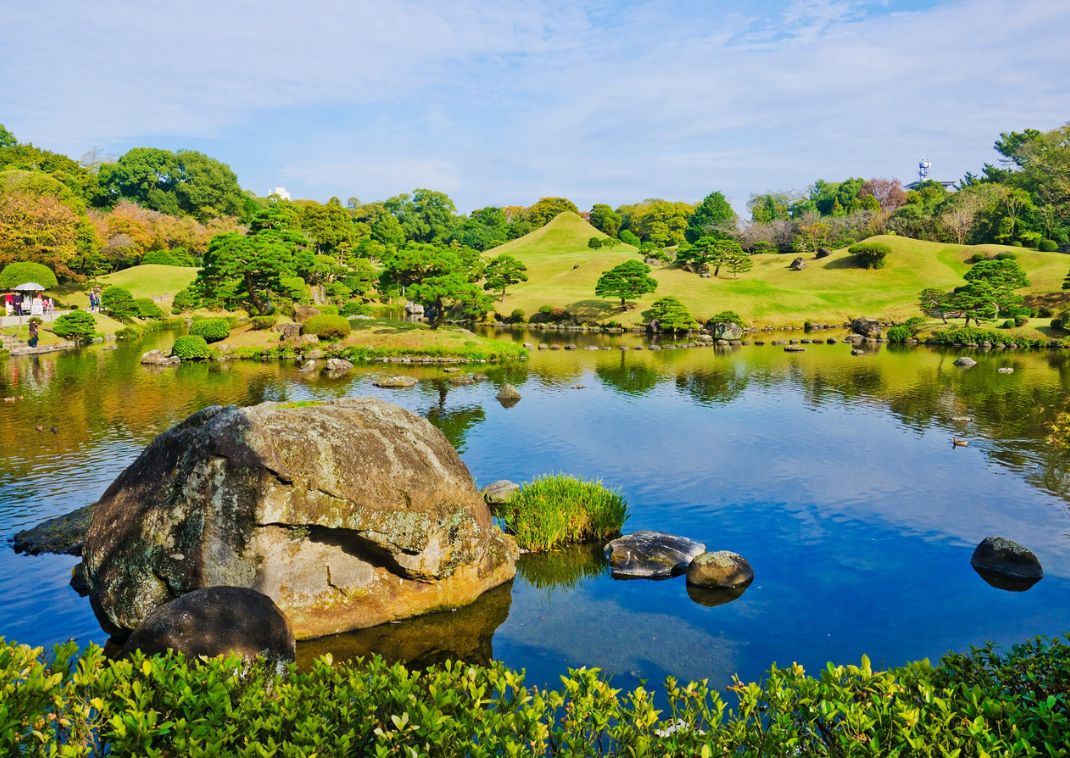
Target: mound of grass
x=557, y=510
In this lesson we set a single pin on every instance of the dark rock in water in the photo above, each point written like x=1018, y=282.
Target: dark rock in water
x=463, y=379
x=965, y=362
x=711, y=598
x=857, y=352
x=651, y=554
x=794, y=349
x=63, y=535
x=347, y=514
x=830, y=341
x=79, y=581
x=721, y=570
x=497, y=493
x=866, y=327
x=1006, y=564
x=217, y=621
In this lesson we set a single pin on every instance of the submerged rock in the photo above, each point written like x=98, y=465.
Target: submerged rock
x=63, y=535
x=965, y=362
x=1006, y=564
x=721, y=570
x=395, y=382
x=347, y=514
x=650, y=554
x=217, y=621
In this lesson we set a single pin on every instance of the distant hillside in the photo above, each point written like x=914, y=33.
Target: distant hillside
x=831, y=289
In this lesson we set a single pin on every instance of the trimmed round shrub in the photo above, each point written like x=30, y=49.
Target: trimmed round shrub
x=1056, y=323
x=1006, y=255
x=870, y=254
x=118, y=303
x=1048, y=246
x=356, y=308
x=212, y=329
x=260, y=323
x=517, y=316
x=24, y=272
x=326, y=326
x=191, y=347
x=557, y=510
x=77, y=326
x=146, y=308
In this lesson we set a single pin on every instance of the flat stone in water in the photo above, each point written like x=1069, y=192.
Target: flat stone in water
x=651, y=555
x=1006, y=564
x=62, y=535
x=395, y=382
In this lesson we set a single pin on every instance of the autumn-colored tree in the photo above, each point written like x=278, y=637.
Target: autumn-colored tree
x=42, y=229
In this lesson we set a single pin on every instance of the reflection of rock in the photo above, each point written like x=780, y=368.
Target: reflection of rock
x=1006, y=564
x=497, y=493
x=720, y=570
x=461, y=635
x=79, y=581
x=711, y=598
x=307, y=366
x=564, y=567
x=347, y=514
x=395, y=382
x=216, y=621
x=649, y=554
x=62, y=535
x=965, y=362
x=463, y=379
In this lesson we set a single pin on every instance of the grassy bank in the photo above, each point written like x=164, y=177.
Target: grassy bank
x=158, y=283
x=562, y=272
x=78, y=704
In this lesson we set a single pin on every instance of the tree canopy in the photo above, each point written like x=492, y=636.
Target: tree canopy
x=627, y=281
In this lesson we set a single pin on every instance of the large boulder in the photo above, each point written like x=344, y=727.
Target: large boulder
x=1006, y=564
x=217, y=621
x=726, y=330
x=798, y=264
x=347, y=514
x=651, y=555
x=866, y=327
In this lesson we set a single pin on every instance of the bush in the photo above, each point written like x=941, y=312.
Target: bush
x=968, y=335
x=1006, y=255
x=728, y=317
x=898, y=333
x=328, y=310
x=1048, y=246
x=594, y=243
x=671, y=315
x=185, y=300
x=870, y=254
x=983, y=702
x=191, y=347
x=176, y=257
x=118, y=303
x=1056, y=323
x=517, y=316
x=1021, y=319
x=146, y=308
x=552, y=511
x=629, y=238
x=1007, y=324
x=259, y=323
x=338, y=291
x=24, y=272
x=212, y=329
x=77, y=326
x=977, y=258
x=356, y=308
x=326, y=326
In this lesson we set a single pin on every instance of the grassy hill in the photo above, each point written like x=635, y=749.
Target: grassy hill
x=562, y=271
x=160, y=283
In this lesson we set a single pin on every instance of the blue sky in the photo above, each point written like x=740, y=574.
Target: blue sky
x=504, y=102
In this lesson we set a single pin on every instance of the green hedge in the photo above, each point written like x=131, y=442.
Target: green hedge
x=146, y=308
x=983, y=703
x=212, y=329
x=968, y=335
x=191, y=347
x=326, y=326
x=870, y=254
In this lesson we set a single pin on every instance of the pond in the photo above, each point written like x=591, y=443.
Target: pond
x=834, y=475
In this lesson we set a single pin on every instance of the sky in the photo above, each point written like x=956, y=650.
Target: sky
x=503, y=102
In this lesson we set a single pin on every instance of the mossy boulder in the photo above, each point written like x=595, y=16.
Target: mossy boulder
x=346, y=514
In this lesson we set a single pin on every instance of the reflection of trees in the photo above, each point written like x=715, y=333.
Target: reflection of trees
x=630, y=377
x=565, y=567
x=453, y=422
x=718, y=384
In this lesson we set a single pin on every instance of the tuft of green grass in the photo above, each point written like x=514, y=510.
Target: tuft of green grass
x=557, y=510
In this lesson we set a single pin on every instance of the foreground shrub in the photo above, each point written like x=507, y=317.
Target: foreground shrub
x=560, y=510
x=326, y=326
x=981, y=703
x=328, y=309
x=212, y=329
x=118, y=303
x=24, y=272
x=870, y=254
x=191, y=347
x=146, y=308
x=77, y=326
x=259, y=323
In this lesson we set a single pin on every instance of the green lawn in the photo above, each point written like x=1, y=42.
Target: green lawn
x=562, y=271
x=160, y=283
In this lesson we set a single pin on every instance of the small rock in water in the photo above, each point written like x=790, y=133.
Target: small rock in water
x=395, y=382
x=856, y=351
x=307, y=366
x=1005, y=370
x=338, y=365
x=651, y=555
x=721, y=570
x=508, y=395
x=497, y=493
x=578, y=386
x=1006, y=564
x=962, y=419
x=451, y=370
x=965, y=362
x=217, y=621
x=794, y=349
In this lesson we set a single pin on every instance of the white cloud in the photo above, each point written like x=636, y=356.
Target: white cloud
x=504, y=102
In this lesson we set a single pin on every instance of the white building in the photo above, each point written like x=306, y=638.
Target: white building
x=281, y=192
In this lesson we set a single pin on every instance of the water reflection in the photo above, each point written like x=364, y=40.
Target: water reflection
x=565, y=567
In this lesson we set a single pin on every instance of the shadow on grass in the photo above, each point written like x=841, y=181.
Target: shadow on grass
x=593, y=309
x=848, y=261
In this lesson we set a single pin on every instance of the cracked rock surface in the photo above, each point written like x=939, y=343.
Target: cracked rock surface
x=347, y=514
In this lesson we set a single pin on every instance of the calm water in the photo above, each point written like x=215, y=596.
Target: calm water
x=834, y=475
